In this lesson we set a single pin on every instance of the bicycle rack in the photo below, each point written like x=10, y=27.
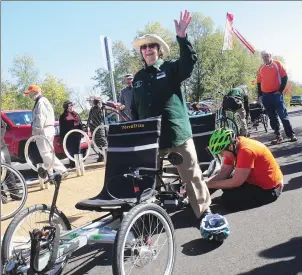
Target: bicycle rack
x=78, y=158
x=43, y=185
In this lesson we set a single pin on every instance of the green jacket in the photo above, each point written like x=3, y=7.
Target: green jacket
x=157, y=92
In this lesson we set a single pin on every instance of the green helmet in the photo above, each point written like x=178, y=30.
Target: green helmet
x=220, y=140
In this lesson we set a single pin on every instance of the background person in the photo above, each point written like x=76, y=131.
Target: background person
x=157, y=91
x=126, y=95
x=271, y=81
x=257, y=178
x=43, y=124
x=70, y=120
x=95, y=119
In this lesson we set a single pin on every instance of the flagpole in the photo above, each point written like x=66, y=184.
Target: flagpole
x=225, y=28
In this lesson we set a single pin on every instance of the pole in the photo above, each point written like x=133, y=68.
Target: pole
x=110, y=69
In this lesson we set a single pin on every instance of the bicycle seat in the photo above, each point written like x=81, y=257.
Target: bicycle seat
x=131, y=144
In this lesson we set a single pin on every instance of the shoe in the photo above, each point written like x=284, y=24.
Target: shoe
x=293, y=138
x=16, y=197
x=64, y=175
x=277, y=140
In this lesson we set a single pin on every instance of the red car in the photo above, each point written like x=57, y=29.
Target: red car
x=19, y=131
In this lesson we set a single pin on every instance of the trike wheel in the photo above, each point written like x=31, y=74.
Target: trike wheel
x=138, y=247
x=17, y=239
x=13, y=191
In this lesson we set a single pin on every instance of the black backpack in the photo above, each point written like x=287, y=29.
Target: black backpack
x=231, y=103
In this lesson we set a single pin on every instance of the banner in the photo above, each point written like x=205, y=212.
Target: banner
x=244, y=42
x=228, y=35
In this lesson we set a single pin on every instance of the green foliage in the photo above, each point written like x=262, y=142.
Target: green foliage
x=213, y=71
x=24, y=71
x=56, y=92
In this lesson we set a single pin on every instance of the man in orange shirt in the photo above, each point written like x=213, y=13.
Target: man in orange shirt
x=257, y=178
x=271, y=82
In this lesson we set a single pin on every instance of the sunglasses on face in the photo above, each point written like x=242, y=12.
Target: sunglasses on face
x=150, y=46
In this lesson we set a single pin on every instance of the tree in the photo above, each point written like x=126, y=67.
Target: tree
x=56, y=92
x=125, y=62
x=24, y=71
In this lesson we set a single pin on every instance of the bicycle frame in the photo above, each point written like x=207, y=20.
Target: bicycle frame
x=113, y=108
x=102, y=230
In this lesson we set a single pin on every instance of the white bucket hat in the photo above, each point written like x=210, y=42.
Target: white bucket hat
x=150, y=39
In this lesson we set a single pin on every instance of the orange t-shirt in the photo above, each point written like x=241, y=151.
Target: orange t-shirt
x=265, y=171
x=270, y=76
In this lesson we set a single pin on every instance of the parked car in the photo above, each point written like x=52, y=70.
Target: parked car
x=19, y=131
x=205, y=106
x=296, y=100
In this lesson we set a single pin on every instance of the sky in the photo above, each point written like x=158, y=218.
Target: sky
x=64, y=37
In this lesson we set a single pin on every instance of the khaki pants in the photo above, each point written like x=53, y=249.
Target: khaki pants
x=46, y=152
x=243, y=130
x=191, y=175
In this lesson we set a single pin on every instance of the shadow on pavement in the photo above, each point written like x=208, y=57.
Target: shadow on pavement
x=295, y=113
x=199, y=247
x=292, y=248
x=89, y=258
x=293, y=184
x=185, y=218
x=287, y=150
x=291, y=168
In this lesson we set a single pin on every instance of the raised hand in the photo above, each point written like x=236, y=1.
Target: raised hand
x=182, y=25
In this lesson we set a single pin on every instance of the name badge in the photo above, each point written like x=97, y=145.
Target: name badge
x=160, y=75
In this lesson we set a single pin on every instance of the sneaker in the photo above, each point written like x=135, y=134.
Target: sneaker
x=64, y=175
x=293, y=138
x=16, y=197
x=277, y=140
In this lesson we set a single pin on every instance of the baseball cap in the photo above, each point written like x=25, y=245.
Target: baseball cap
x=32, y=88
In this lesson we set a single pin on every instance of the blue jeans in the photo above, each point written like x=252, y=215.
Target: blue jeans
x=275, y=106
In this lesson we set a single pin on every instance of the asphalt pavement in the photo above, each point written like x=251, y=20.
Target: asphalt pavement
x=264, y=240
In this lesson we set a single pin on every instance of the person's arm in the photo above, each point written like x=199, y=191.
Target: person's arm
x=184, y=66
x=259, y=83
x=122, y=100
x=225, y=172
x=39, y=118
x=134, y=111
x=240, y=176
x=283, y=83
x=245, y=162
x=62, y=127
x=283, y=76
x=80, y=122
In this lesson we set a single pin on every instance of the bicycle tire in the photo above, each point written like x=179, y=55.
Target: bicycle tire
x=24, y=197
x=125, y=227
x=5, y=251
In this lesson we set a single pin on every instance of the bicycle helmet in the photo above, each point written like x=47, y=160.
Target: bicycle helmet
x=214, y=227
x=221, y=139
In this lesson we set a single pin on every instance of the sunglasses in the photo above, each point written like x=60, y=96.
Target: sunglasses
x=150, y=46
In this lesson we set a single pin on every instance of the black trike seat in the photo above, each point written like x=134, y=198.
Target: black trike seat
x=131, y=144
x=256, y=110
x=202, y=128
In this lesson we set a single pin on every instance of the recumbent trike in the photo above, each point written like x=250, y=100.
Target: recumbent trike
x=134, y=195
